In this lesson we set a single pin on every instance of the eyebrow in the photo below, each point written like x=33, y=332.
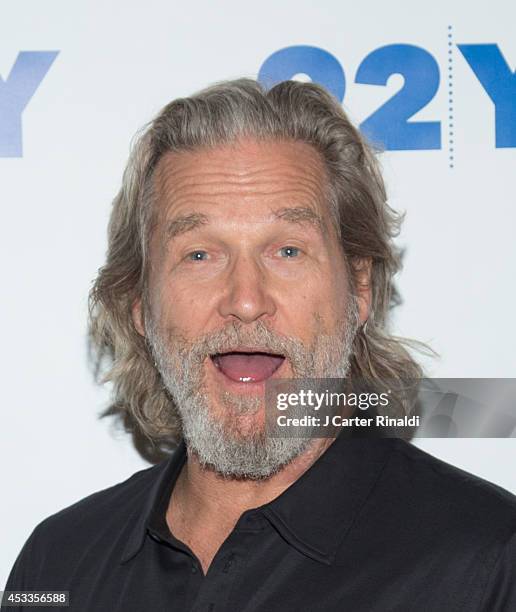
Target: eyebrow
x=300, y=214
x=292, y=214
x=185, y=223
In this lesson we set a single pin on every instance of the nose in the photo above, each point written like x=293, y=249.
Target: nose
x=246, y=295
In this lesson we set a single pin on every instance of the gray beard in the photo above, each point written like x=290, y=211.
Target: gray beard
x=217, y=443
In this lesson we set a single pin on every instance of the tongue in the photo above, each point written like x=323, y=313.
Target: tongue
x=248, y=367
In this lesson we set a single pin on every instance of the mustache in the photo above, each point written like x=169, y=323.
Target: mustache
x=237, y=334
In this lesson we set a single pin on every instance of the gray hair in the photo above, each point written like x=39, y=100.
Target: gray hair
x=217, y=115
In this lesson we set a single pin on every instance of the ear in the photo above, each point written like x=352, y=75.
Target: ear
x=137, y=316
x=363, y=287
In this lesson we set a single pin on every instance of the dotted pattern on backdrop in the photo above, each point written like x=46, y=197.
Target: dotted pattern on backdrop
x=451, y=148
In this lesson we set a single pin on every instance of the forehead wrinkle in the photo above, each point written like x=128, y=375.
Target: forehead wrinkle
x=178, y=170
x=184, y=179
x=298, y=210
x=225, y=183
x=295, y=190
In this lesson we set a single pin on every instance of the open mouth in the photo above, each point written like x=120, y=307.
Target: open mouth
x=247, y=366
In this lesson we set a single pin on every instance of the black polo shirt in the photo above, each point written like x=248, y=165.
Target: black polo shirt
x=372, y=526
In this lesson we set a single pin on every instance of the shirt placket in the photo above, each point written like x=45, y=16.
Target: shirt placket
x=227, y=567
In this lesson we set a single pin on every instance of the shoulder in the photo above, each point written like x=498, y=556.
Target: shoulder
x=435, y=504
x=431, y=523
x=59, y=541
x=102, y=504
x=462, y=522
x=102, y=507
x=443, y=485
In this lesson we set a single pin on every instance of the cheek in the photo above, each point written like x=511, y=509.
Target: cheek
x=331, y=295
x=180, y=306
x=318, y=309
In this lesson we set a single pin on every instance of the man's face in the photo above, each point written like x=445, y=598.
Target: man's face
x=247, y=282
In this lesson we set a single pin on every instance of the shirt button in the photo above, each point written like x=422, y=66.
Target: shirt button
x=193, y=569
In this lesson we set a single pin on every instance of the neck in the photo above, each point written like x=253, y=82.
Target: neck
x=205, y=506
x=205, y=489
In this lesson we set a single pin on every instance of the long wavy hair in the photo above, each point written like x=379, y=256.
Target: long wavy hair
x=365, y=223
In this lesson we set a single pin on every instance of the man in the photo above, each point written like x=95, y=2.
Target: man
x=251, y=241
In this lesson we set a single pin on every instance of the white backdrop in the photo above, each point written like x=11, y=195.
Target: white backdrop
x=117, y=64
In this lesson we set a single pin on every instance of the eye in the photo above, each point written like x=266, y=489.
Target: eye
x=197, y=256
x=289, y=251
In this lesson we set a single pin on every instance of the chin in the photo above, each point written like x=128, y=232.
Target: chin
x=239, y=418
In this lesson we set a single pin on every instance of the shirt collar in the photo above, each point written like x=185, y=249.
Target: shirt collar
x=318, y=510
x=166, y=474
x=314, y=514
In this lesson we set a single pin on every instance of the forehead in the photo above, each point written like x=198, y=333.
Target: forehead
x=248, y=178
